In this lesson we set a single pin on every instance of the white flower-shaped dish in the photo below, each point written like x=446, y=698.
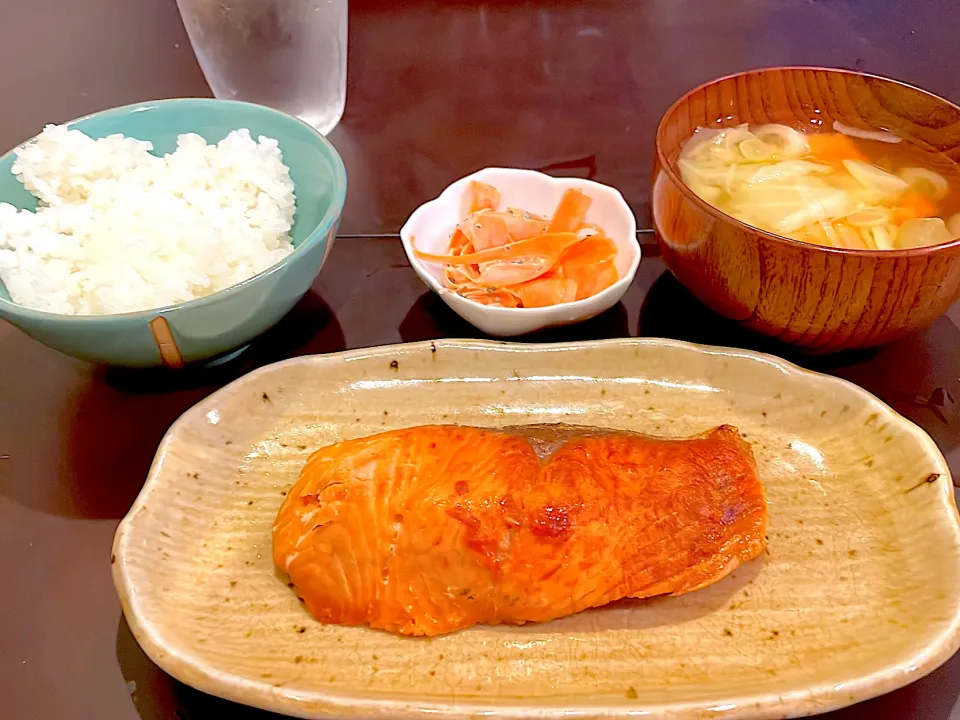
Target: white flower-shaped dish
x=432, y=224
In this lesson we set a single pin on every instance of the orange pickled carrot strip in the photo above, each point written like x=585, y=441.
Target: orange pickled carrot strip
x=568, y=217
x=523, y=225
x=512, y=272
x=458, y=241
x=545, y=291
x=833, y=148
x=585, y=279
x=570, y=290
x=527, y=214
x=600, y=278
x=485, y=230
x=586, y=261
x=503, y=297
x=455, y=276
x=913, y=204
x=515, y=258
x=606, y=276
x=481, y=196
x=547, y=245
x=593, y=249
x=592, y=226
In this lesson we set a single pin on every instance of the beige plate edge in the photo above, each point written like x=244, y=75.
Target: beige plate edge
x=797, y=703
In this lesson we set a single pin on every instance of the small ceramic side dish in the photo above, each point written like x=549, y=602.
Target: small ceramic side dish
x=432, y=224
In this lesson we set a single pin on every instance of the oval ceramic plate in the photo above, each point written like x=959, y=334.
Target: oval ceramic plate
x=859, y=593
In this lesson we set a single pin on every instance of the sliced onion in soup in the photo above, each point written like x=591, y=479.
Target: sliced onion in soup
x=878, y=135
x=825, y=206
x=788, y=142
x=930, y=183
x=953, y=225
x=878, y=237
x=756, y=150
x=850, y=237
x=876, y=179
x=869, y=217
x=702, y=144
x=732, y=137
x=920, y=232
x=787, y=169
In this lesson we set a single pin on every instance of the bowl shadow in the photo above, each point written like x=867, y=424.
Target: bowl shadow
x=917, y=376
x=429, y=318
x=669, y=310
x=309, y=328
x=113, y=425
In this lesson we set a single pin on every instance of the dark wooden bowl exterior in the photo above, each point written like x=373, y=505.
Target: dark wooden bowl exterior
x=821, y=298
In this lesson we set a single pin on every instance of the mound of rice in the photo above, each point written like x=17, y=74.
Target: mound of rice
x=119, y=229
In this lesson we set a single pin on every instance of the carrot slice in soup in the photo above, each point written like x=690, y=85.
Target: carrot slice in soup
x=481, y=196
x=569, y=215
x=913, y=204
x=833, y=148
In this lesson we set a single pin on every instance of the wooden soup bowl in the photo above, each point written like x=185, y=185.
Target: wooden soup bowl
x=821, y=298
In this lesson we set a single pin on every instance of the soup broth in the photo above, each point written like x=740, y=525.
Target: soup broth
x=849, y=188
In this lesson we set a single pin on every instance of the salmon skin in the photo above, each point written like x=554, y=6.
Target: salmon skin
x=433, y=529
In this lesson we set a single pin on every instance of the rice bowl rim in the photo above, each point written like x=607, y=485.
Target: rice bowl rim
x=322, y=228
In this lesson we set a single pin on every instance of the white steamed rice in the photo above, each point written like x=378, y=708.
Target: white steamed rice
x=119, y=229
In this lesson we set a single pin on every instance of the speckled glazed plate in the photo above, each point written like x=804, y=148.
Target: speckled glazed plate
x=858, y=595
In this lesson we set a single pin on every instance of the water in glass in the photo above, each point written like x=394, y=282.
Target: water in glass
x=288, y=54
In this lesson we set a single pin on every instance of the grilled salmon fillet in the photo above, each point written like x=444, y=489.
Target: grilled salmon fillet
x=432, y=529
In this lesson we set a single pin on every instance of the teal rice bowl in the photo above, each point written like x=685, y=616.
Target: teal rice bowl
x=226, y=320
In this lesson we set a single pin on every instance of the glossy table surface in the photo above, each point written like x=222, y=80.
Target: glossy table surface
x=436, y=90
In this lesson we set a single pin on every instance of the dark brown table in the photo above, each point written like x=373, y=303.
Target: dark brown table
x=436, y=90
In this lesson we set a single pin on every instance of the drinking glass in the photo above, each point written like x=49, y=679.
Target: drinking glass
x=288, y=54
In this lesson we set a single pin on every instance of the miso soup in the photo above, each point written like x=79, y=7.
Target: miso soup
x=850, y=188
